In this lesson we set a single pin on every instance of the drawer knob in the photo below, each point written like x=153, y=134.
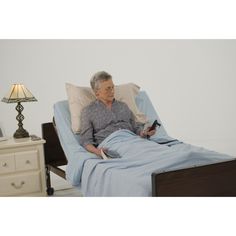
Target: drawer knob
x=27, y=162
x=18, y=186
x=4, y=164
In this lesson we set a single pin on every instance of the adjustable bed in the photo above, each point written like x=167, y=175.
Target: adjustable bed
x=163, y=167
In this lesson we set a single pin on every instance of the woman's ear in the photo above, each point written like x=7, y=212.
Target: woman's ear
x=96, y=93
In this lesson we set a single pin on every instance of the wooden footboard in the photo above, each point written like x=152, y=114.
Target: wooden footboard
x=209, y=180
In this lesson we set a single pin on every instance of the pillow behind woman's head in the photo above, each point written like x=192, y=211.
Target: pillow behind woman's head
x=80, y=97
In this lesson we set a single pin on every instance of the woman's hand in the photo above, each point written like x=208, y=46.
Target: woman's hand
x=152, y=132
x=93, y=149
x=145, y=133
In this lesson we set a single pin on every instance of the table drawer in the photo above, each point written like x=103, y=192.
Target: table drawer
x=20, y=184
x=27, y=160
x=7, y=163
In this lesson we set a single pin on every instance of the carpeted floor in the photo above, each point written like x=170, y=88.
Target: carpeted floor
x=63, y=188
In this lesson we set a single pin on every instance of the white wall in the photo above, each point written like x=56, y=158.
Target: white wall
x=190, y=82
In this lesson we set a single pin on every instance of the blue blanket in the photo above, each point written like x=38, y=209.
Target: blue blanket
x=131, y=174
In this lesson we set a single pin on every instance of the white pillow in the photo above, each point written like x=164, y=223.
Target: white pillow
x=80, y=97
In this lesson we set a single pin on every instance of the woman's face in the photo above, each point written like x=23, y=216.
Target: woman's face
x=106, y=91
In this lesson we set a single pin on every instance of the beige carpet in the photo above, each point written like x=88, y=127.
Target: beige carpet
x=63, y=188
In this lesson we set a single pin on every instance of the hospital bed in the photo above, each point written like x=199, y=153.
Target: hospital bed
x=177, y=175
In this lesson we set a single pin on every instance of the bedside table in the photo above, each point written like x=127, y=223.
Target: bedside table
x=22, y=169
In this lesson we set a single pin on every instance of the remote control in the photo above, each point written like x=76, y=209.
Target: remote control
x=34, y=137
x=112, y=154
x=154, y=125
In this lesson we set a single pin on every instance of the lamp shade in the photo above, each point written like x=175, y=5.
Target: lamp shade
x=19, y=93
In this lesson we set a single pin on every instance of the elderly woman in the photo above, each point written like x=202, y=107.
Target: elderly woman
x=106, y=115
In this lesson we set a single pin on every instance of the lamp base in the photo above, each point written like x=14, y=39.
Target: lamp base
x=21, y=133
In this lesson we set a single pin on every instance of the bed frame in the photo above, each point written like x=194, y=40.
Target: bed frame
x=209, y=180
x=53, y=154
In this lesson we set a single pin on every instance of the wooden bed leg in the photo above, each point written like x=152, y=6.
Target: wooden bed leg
x=50, y=190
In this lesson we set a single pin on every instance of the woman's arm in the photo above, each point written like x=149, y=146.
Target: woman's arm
x=93, y=149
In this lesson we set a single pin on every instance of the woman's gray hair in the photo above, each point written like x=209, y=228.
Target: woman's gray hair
x=98, y=78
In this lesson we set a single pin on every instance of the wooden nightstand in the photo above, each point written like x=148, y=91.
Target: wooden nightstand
x=22, y=169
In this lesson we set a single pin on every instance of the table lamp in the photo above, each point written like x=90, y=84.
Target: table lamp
x=17, y=94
